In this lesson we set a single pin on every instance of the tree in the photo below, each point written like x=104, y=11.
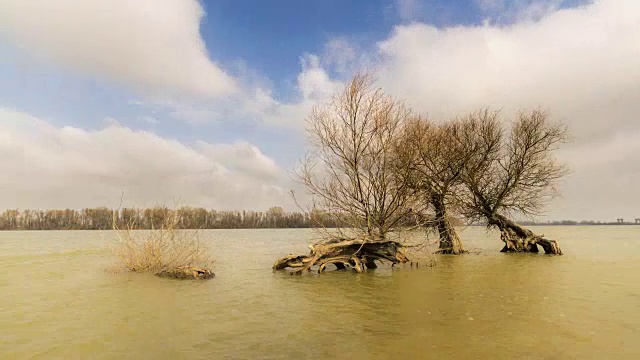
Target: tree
x=352, y=168
x=352, y=171
x=514, y=174
x=437, y=155
x=275, y=215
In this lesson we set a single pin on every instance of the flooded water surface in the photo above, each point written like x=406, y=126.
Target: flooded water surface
x=58, y=302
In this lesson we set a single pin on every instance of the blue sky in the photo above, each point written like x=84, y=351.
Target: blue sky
x=226, y=86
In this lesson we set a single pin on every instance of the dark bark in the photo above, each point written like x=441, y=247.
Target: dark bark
x=519, y=239
x=449, y=241
x=358, y=254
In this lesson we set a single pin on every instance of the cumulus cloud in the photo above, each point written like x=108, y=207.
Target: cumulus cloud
x=152, y=45
x=579, y=63
x=53, y=167
x=257, y=103
x=314, y=85
x=339, y=54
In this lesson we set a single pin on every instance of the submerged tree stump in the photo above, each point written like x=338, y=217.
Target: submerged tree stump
x=187, y=272
x=357, y=254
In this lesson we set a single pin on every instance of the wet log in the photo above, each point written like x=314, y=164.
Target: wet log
x=357, y=254
x=187, y=272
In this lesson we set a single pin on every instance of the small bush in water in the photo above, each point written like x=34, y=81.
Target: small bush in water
x=164, y=247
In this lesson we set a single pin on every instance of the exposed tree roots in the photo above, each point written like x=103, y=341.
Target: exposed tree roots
x=357, y=254
x=519, y=239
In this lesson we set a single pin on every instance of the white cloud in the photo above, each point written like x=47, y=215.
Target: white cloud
x=313, y=85
x=257, y=103
x=339, y=54
x=109, y=121
x=581, y=64
x=50, y=167
x=153, y=45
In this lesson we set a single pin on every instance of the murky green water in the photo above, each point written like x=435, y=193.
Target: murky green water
x=57, y=302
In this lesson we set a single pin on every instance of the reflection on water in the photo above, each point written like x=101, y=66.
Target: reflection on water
x=56, y=301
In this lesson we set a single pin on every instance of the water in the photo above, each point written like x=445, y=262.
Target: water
x=57, y=302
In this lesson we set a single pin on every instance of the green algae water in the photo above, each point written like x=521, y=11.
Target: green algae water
x=58, y=302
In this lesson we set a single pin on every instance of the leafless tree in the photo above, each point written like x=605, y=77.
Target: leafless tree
x=514, y=174
x=440, y=153
x=352, y=167
x=352, y=170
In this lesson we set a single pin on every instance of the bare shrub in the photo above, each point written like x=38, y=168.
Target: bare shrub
x=165, y=246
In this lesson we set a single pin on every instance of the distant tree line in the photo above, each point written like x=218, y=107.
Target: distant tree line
x=103, y=218
x=573, y=222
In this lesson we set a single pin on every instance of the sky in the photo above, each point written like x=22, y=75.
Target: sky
x=203, y=103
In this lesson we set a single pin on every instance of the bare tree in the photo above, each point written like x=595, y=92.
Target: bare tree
x=352, y=167
x=440, y=153
x=514, y=174
x=352, y=170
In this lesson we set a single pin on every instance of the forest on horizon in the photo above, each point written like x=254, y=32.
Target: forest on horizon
x=102, y=218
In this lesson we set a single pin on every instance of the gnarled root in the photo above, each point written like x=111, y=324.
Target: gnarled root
x=527, y=242
x=358, y=254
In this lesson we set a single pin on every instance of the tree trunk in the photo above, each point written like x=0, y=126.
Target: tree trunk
x=519, y=239
x=449, y=241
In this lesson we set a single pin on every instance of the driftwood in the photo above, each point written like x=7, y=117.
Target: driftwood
x=358, y=254
x=187, y=272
